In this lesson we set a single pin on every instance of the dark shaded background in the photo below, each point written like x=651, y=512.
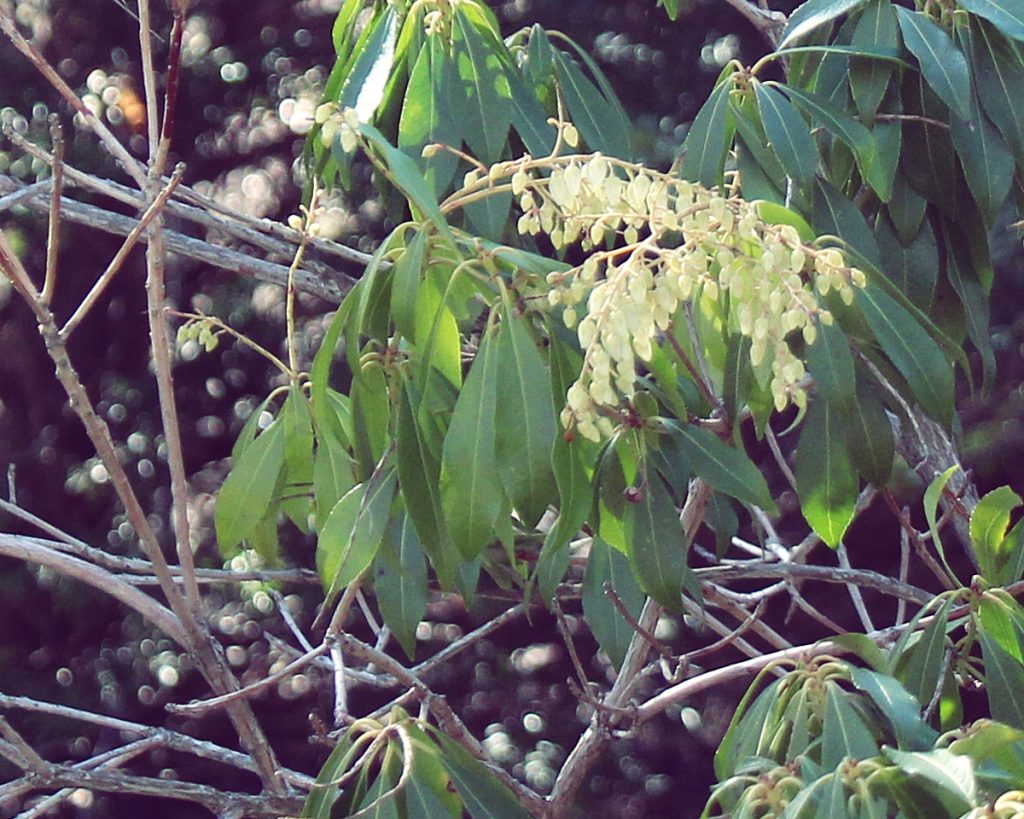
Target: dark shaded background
x=252, y=74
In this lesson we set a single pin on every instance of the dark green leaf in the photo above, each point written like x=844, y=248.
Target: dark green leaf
x=925, y=668
x=318, y=803
x=912, y=268
x=825, y=480
x=811, y=15
x=525, y=423
x=869, y=437
x=487, y=217
x=999, y=74
x=788, y=134
x=406, y=287
x=836, y=121
x=298, y=437
x=836, y=215
x=844, y=734
x=332, y=475
x=928, y=158
x=249, y=489
x=352, y=533
x=529, y=118
x=942, y=63
x=831, y=365
x=1005, y=15
x=470, y=495
x=720, y=517
x=708, y=139
x=483, y=795
x=888, y=138
x=1004, y=680
x=590, y=111
x=869, y=79
x=964, y=279
x=657, y=545
x=613, y=633
x=987, y=162
x=725, y=468
x=906, y=210
x=912, y=350
x=737, y=376
x=371, y=408
x=897, y=705
x=401, y=583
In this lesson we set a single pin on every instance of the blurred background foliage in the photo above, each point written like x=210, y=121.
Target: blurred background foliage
x=253, y=71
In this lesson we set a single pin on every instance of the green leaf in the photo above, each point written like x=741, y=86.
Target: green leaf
x=406, y=287
x=869, y=438
x=470, y=495
x=999, y=75
x=813, y=14
x=351, y=535
x=989, y=523
x=721, y=518
x=775, y=214
x=611, y=630
x=371, y=409
x=844, y=734
x=888, y=138
x=488, y=217
x=332, y=475
x=912, y=268
x=898, y=706
x=725, y=468
x=911, y=349
x=987, y=162
x=590, y=111
x=364, y=86
x=943, y=64
x=906, y=210
x=942, y=769
x=298, y=436
x=788, y=134
x=825, y=480
x=831, y=365
x=1005, y=15
x=657, y=547
x=438, y=332
x=709, y=137
x=249, y=489
x=529, y=118
x=925, y=666
x=318, y=803
x=480, y=101
x=869, y=79
x=401, y=583
x=483, y=794
x=1004, y=680
x=525, y=423
x=928, y=158
x=836, y=215
x=426, y=117
x=836, y=121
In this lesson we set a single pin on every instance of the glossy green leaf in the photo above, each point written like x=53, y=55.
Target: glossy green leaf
x=990, y=521
x=525, y=423
x=708, y=139
x=869, y=437
x=318, y=803
x=426, y=117
x=749, y=722
x=925, y=666
x=607, y=565
x=725, y=468
x=825, y=479
x=488, y=217
x=837, y=122
x=249, y=489
x=999, y=75
x=484, y=796
x=1005, y=15
x=788, y=134
x=1004, y=681
x=943, y=64
x=831, y=365
x=657, y=547
x=351, y=535
x=987, y=162
x=401, y=583
x=1000, y=616
x=898, y=706
x=775, y=214
x=470, y=494
x=836, y=215
x=813, y=14
x=590, y=111
x=529, y=119
x=869, y=79
x=332, y=475
x=438, y=332
x=363, y=88
x=481, y=100
x=911, y=349
x=942, y=769
x=844, y=734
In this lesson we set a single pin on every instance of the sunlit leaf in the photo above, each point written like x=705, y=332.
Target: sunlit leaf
x=825, y=480
x=844, y=734
x=249, y=489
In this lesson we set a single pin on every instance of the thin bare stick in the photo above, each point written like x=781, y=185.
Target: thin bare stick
x=901, y=604
x=36, y=764
x=726, y=639
x=341, y=712
x=148, y=77
x=634, y=624
x=127, y=246
x=199, y=707
x=53, y=224
x=773, y=445
x=563, y=628
x=130, y=165
x=159, y=157
x=20, y=195
x=855, y=595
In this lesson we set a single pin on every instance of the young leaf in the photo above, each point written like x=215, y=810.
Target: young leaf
x=912, y=350
x=607, y=565
x=1004, y=680
x=401, y=583
x=525, y=423
x=825, y=479
x=351, y=535
x=725, y=468
x=811, y=15
x=657, y=547
x=470, y=495
x=709, y=137
x=249, y=489
x=942, y=63
x=788, y=134
x=989, y=522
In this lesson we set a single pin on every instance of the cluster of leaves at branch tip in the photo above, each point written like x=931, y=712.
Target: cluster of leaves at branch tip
x=202, y=331
x=683, y=242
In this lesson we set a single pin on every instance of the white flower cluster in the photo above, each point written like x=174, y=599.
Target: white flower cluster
x=673, y=242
